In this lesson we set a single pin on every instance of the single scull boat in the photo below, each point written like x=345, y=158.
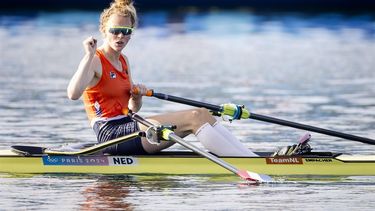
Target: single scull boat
x=185, y=162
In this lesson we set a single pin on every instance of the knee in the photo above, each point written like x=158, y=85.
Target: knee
x=201, y=116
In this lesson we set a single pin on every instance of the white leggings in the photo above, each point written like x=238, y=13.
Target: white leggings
x=221, y=141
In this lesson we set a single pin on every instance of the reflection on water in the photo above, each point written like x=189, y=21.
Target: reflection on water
x=107, y=194
x=95, y=192
x=312, y=68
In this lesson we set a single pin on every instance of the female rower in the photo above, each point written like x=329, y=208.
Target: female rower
x=104, y=80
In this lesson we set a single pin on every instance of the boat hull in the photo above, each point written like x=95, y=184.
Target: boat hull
x=186, y=163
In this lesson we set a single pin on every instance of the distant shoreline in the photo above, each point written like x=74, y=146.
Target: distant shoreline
x=300, y=5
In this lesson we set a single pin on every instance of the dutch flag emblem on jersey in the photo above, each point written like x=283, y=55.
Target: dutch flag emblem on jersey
x=112, y=75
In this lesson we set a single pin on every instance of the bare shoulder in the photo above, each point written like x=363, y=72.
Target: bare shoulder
x=127, y=62
x=126, y=58
x=128, y=65
x=96, y=66
x=96, y=63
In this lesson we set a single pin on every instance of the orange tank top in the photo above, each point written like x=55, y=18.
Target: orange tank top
x=110, y=96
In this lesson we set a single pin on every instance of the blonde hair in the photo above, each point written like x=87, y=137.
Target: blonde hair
x=118, y=7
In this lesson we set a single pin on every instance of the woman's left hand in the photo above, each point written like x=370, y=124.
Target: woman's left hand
x=140, y=91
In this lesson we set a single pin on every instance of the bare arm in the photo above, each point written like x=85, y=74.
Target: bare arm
x=135, y=101
x=85, y=72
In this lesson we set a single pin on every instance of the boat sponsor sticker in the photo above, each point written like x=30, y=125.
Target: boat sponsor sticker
x=89, y=161
x=320, y=160
x=284, y=160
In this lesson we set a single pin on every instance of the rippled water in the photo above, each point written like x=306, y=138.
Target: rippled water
x=312, y=68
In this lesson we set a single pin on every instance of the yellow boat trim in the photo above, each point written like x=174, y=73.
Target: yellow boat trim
x=188, y=164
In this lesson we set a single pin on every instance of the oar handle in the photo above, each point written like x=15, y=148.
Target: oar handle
x=148, y=93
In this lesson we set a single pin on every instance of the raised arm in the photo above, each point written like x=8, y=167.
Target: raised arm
x=85, y=74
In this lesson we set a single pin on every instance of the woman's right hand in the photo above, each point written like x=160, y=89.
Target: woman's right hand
x=89, y=45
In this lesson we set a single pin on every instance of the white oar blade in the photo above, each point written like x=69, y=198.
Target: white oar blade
x=254, y=177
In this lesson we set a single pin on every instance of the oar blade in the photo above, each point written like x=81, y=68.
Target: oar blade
x=254, y=177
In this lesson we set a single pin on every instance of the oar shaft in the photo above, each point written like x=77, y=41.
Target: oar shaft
x=168, y=134
x=195, y=149
x=264, y=118
x=187, y=101
x=311, y=128
x=209, y=156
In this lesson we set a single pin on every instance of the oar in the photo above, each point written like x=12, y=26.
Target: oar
x=169, y=135
x=238, y=112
